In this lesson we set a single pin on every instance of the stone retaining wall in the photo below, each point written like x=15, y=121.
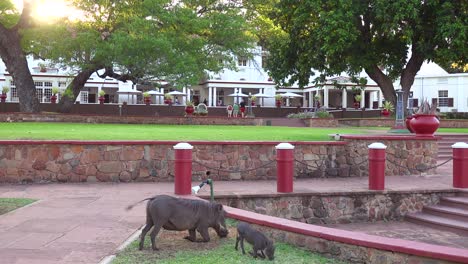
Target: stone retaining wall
x=351, y=253
x=339, y=208
x=90, y=161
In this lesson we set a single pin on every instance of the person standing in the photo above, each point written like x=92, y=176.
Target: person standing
x=242, y=108
x=235, y=111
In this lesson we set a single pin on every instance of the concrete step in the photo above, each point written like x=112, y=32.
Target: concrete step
x=457, y=202
x=442, y=223
x=447, y=212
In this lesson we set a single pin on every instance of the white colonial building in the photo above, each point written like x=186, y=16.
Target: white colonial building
x=450, y=91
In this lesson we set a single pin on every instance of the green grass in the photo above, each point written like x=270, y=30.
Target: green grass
x=10, y=204
x=56, y=131
x=452, y=130
x=224, y=253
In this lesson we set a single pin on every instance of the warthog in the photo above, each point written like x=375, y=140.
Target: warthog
x=262, y=246
x=173, y=213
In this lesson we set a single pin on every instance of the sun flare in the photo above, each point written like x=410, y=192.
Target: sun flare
x=47, y=10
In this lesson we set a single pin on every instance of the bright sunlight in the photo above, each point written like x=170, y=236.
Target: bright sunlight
x=46, y=10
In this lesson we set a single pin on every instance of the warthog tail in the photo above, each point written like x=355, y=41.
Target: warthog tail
x=128, y=208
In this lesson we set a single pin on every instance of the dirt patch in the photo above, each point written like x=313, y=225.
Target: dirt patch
x=171, y=242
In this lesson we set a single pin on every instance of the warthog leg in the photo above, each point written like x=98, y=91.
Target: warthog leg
x=192, y=235
x=149, y=224
x=154, y=233
x=204, y=233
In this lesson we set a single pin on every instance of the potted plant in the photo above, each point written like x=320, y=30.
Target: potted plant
x=189, y=109
x=101, y=97
x=5, y=90
x=278, y=99
x=42, y=67
x=252, y=100
x=168, y=99
x=317, y=100
x=53, y=98
x=357, y=101
x=147, y=98
x=425, y=121
x=387, y=108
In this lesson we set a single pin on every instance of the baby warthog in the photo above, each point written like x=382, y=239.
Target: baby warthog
x=173, y=213
x=262, y=246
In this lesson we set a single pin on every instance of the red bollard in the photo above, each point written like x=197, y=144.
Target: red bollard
x=460, y=165
x=377, y=166
x=183, y=169
x=284, y=167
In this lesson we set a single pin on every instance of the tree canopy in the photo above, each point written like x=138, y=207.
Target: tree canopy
x=143, y=41
x=386, y=39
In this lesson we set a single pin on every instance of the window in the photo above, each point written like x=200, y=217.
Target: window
x=443, y=100
x=38, y=84
x=39, y=94
x=47, y=84
x=47, y=95
x=84, y=97
x=62, y=84
x=242, y=62
x=14, y=94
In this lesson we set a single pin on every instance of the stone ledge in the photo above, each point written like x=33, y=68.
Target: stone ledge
x=353, y=238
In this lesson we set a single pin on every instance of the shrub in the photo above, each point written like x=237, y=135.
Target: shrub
x=302, y=115
x=322, y=113
x=102, y=93
x=5, y=89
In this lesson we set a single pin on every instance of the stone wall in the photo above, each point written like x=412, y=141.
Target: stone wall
x=341, y=208
x=351, y=253
x=404, y=156
x=321, y=122
x=89, y=161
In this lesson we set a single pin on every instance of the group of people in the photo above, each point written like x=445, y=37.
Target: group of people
x=233, y=110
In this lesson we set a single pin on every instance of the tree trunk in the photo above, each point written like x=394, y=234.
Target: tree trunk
x=17, y=65
x=76, y=85
x=385, y=83
x=409, y=73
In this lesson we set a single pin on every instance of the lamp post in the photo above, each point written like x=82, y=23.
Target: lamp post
x=249, y=111
x=400, y=115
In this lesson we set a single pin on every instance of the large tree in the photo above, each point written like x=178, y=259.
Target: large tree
x=141, y=41
x=12, y=26
x=386, y=39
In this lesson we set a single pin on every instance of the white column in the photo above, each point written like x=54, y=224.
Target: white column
x=184, y=98
x=189, y=94
x=380, y=98
x=363, y=102
x=210, y=95
x=311, y=99
x=325, y=97
x=215, y=97
x=238, y=98
x=344, y=99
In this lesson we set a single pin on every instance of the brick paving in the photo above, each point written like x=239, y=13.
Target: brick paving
x=84, y=223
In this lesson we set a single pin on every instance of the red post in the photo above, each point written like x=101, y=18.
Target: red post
x=183, y=168
x=460, y=165
x=377, y=166
x=284, y=167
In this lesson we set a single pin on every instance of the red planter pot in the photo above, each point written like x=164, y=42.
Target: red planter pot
x=101, y=99
x=385, y=113
x=3, y=98
x=253, y=103
x=278, y=103
x=53, y=99
x=147, y=100
x=189, y=110
x=408, y=123
x=424, y=125
x=168, y=101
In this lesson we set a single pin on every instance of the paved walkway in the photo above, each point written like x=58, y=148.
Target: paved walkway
x=83, y=223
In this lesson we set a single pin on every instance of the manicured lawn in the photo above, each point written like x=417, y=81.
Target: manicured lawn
x=453, y=130
x=10, y=204
x=56, y=131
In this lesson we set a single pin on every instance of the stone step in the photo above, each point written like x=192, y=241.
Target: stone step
x=463, y=193
x=447, y=212
x=458, y=202
x=442, y=223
